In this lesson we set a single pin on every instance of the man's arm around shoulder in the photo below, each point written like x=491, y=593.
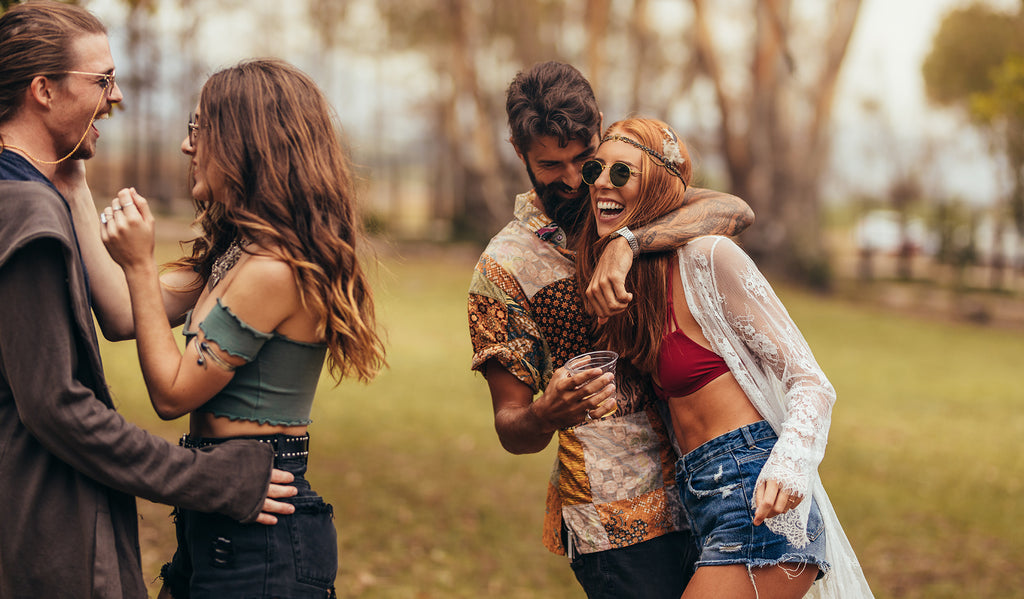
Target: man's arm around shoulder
x=704, y=212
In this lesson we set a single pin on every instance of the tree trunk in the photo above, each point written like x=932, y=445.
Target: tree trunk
x=774, y=136
x=596, y=22
x=480, y=156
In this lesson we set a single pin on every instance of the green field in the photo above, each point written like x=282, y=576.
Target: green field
x=924, y=464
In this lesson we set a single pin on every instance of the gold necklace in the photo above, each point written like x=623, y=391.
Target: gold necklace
x=4, y=146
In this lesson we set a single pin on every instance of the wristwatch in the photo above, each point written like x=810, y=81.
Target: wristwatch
x=626, y=234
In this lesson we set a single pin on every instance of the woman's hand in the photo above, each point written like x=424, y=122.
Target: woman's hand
x=606, y=294
x=770, y=500
x=127, y=229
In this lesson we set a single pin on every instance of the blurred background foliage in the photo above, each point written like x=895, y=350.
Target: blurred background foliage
x=419, y=86
x=924, y=468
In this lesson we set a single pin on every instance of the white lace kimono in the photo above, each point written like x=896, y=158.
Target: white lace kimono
x=749, y=327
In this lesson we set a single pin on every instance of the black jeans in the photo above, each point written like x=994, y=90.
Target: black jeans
x=655, y=569
x=296, y=558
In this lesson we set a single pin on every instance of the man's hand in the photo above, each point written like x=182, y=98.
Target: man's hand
x=527, y=426
x=569, y=398
x=606, y=293
x=278, y=489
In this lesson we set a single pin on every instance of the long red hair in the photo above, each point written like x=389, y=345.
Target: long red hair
x=661, y=192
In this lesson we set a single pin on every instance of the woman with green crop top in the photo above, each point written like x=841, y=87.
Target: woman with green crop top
x=271, y=289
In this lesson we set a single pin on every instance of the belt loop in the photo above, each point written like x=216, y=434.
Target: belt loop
x=747, y=436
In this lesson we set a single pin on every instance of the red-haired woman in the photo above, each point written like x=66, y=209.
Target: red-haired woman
x=750, y=408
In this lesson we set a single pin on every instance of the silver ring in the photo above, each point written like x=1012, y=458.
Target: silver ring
x=126, y=204
x=587, y=417
x=117, y=208
x=103, y=218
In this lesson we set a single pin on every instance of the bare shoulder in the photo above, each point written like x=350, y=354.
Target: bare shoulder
x=264, y=273
x=263, y=292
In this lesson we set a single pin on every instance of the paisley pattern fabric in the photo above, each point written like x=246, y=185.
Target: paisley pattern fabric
x=613, y=482
x=749, y=327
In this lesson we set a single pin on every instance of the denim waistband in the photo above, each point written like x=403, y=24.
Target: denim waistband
x=285, y=446
x=745, y=436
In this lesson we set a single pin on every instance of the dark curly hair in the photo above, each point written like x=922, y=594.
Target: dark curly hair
x=551, y=99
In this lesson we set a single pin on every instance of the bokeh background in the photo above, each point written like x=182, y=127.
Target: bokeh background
x=880, y=143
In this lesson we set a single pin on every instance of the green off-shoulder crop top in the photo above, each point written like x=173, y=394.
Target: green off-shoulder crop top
x=276, y=384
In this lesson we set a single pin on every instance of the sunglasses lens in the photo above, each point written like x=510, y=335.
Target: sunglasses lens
x=619, y=174
x=591, y=171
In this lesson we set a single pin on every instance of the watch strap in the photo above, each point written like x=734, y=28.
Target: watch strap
x=626, y=234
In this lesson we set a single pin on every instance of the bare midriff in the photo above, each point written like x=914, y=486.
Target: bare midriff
x=713, y=410
x=204, y=424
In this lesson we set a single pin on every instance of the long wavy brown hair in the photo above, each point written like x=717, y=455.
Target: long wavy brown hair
x=636, y=333
x=271, y=132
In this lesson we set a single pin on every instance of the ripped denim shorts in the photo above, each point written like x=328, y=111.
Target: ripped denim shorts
x=716, y=484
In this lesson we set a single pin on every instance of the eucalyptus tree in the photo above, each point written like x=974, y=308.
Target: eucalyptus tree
x=775, y=93
x=976, y=66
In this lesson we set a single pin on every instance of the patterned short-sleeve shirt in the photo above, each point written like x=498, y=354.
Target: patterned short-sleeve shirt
x=613, y=484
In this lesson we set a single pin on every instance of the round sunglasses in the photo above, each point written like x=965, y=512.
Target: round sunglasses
x=618, y=172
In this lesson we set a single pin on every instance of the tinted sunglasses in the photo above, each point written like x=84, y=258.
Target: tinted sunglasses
x=618, y=172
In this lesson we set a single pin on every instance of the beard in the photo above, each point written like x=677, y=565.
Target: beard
x=86, y=146
x=84, y=152
x=568, y=213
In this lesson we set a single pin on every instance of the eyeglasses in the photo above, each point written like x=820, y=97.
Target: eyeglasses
x=193, y=129
x=618, y=172
x=106, y=82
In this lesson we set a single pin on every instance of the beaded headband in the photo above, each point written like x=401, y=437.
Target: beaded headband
x=669, y=159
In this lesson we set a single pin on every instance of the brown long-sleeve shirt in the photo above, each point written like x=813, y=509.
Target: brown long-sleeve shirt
x=70, y=465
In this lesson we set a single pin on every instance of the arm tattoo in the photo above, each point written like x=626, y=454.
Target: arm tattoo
x=705, y=212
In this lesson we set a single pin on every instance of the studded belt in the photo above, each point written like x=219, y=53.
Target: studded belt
x=285, y=446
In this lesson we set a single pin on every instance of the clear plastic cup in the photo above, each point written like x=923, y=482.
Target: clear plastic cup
x=605, y=360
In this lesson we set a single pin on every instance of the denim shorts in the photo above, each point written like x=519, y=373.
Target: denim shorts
x=297, y=558
x=716, y=484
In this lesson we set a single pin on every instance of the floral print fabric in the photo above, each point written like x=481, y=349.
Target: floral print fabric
x=613, y=483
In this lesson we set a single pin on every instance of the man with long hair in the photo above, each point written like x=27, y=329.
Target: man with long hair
x=71, y=465
x=612, y=505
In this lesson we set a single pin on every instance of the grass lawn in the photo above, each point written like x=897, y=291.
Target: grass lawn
x=924, y=465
